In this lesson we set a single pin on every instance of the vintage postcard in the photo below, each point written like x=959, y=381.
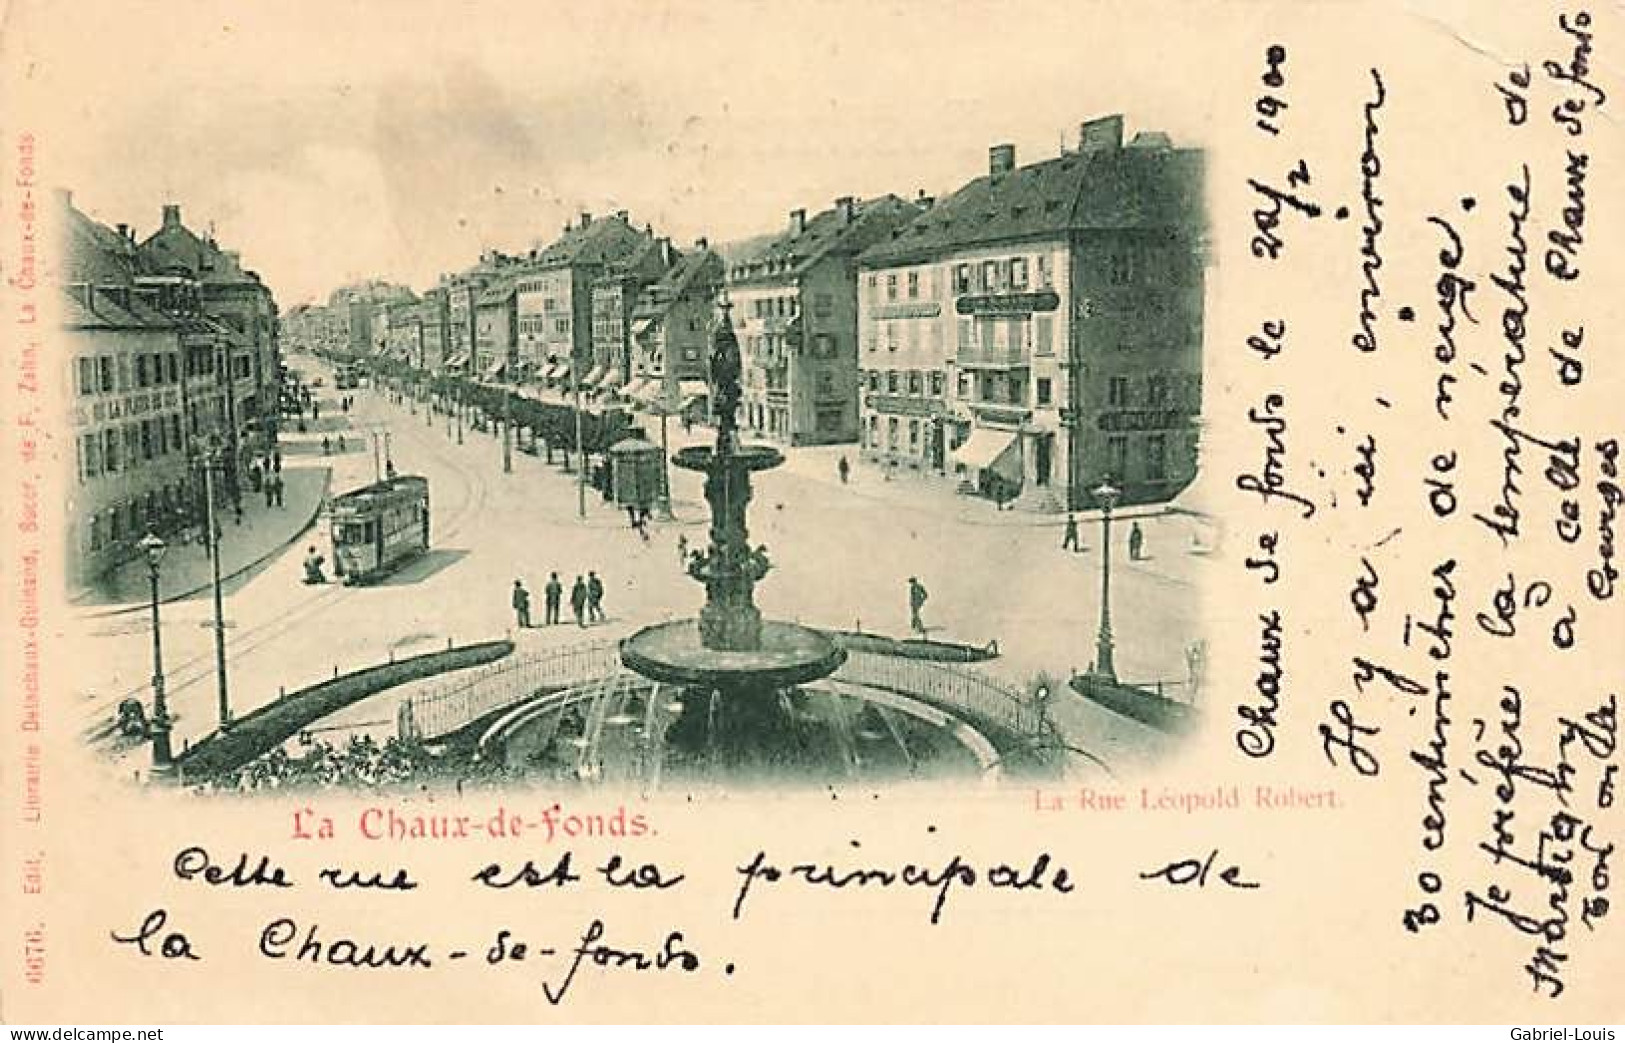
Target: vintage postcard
x=812, y=512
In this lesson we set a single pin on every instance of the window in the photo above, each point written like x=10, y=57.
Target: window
x=1046, y=334
x=1156, y=392
x=1017, y=334
x=85, y=380
x=823, y=346
x=1120, y=268
x=826, y=382
x=964, y=385
x=914, y=435
x=891, y=433
x=916, y=382
x=936, y=383
x=1117, y=392
x=104, y=367
x=891, y=286
x=1043, y=391
x=1117, y=456
x=823, y=304
x=874, y=430
x=141, y=371
x=110, y=450
x=961, y=278
x=1018, y=273
x=892, y=380
x=1044, y=279
x=891, y=336
x=1156, y=457
x=913, y=285
x=967, y=333
x=990, y=275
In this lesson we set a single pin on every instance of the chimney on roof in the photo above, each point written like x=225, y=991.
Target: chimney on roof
x=622, y=214
x=923, y=201
x=1099, y=135
x=586, y=218
x=798, y=221
x=702, y=243
x=123, y=231
x=665, y=251
x=1001, y=159
x=844, y=205
x=172, y=215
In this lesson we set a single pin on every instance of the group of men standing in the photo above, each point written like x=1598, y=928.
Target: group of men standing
x=586, y=600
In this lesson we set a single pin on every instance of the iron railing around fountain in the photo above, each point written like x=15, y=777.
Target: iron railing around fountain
x=510, y=681
x=950, y=686
x=506, y=683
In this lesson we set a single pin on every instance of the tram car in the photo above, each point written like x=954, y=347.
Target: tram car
x=379, y=527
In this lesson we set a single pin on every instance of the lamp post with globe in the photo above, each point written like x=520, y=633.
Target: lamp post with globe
x=162, y=756
x=1106, y=494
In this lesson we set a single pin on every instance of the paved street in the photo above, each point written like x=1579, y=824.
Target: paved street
x=842, y=556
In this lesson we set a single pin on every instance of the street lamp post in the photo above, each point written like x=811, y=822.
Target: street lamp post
x=1107, y=495
x=507, y=431
x=210, y=462
x=162, y=758
x=581, y=457
x=458, y=395
x=665, y=461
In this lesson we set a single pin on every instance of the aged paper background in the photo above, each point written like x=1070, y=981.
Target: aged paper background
x=1322, y=936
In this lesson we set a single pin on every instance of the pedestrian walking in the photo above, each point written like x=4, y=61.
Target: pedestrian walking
x=341, y=443
x=682, y=550
x=315, y=411
x=276, y=461
x=844, y=468
x=327, y=446
x=1070, y=540
x=916, y=602
x=554, y=593
x=631, y=516
x=595, y=597
x=1136, y=542
x=269, y=488
x=578, y=601
x=521, y=605
x=389, y=469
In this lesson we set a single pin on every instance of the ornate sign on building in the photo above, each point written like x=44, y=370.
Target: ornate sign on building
x=1141, y=419
x=1008, y=304
x=904, y=405
x=910, y=310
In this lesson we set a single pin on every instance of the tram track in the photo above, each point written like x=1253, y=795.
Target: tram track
x=97, y=723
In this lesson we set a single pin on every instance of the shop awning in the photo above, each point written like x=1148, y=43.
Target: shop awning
x=637, y=389
x=555, y=371
x=990, y=449
x=641, y=326
x=457, y=360
x=612, y=379
x=497, y=368
x=591, y=379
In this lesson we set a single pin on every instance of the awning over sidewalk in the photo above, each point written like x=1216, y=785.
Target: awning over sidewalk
x=458, y=360
x=692, y=392
x=593, y=374
x=497, y=368
x=612, y=379
x=990, y=449
x=637, y=389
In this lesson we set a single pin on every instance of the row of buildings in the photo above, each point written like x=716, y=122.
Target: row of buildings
x=1024, y=337
x=172, y=362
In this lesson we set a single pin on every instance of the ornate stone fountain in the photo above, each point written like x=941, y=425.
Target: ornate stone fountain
x=734, y=665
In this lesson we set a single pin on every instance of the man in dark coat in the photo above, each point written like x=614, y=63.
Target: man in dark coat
x=1069, y=541
x=553, y=593
x=521, y=605
x=595, y=597
x=916, y=601
x=578, y=601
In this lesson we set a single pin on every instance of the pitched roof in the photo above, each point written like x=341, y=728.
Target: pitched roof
x=96, y=253
x=792, y=252
x=688, y=272
x=602, y=241
x=1143, y=185
x=111, y=307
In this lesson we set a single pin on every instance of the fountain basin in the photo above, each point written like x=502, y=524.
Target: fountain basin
x=751, y=457
x=789, y=655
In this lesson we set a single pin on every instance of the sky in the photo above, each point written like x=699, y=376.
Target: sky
x=330, y=142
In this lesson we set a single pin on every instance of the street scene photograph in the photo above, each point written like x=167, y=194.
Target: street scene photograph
x=662, y=426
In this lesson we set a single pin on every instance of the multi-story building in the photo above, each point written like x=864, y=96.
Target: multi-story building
x=495, y=330
x=614, y=297
x=671, y=330
x=794, y=302
x=237, y=298
x=432, y=331
x=150, y=385
x=1040, y=329
x=553, y=297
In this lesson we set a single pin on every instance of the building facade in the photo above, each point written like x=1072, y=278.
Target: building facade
x=1040, y=330
x=794, y=305
x=671, y=330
